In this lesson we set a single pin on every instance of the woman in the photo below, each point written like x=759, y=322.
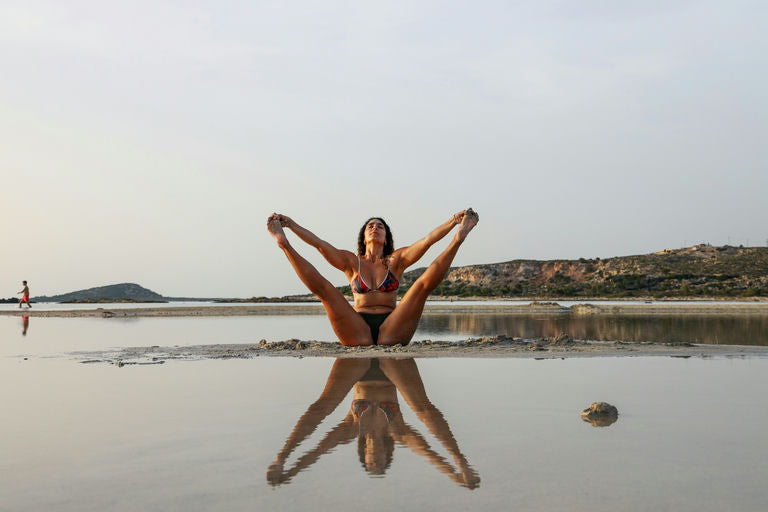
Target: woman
x=374, y=274
x=376, y=420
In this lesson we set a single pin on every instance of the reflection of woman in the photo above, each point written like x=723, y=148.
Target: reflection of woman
x=375, y=419
x=374, y=274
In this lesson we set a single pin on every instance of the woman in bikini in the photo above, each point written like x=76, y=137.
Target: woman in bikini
x=374, y=274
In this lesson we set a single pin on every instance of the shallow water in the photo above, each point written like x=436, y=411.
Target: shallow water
x=202, y=435
x=37, y=335
x=704, y=329
x=61, y=306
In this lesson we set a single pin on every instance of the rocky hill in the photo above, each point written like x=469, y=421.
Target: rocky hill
x=701, y=270
x=129, y=292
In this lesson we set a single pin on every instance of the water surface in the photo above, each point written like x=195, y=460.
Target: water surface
x=38, y=335
x=204, y=435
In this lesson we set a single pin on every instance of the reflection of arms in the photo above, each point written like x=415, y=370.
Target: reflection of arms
x=404, y=374
x=344, y=374
x=341, y=433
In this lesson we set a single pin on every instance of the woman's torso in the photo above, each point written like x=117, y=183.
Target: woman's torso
x=376, y=284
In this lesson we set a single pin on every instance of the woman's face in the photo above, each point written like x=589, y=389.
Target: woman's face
x=375, y=231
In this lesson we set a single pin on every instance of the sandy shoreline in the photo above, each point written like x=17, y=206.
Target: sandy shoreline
x=760, y=308
x=496, y=347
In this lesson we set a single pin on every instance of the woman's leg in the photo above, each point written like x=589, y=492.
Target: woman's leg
x=346, y=322
x=402, y=322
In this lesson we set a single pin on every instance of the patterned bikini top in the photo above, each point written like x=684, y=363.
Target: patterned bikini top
x=389, y=284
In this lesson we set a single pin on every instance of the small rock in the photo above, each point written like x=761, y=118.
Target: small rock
x=600, y=414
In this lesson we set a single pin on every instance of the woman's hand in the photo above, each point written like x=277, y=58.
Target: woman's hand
x=459, y=216
x=284, y=220
x=275, y=474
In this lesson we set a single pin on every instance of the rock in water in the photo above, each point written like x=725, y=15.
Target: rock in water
x=600, y=414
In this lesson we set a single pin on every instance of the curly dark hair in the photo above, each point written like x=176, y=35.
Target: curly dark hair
x=389, y=245
x=382, y=463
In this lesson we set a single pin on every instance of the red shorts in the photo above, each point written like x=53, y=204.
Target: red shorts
x=25, y=298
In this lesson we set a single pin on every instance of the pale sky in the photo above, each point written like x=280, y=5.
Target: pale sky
x=147, y=141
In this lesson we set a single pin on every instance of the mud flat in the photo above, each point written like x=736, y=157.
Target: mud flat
x=546, y=308
x=496, y=346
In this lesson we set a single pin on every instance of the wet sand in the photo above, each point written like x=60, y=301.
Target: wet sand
x=495, y=347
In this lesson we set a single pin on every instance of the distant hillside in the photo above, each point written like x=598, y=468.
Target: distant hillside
x=122, y=291
x=701, y=270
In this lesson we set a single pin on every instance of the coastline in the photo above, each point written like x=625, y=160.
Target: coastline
x=488, y=347
x=501, y=346
x=544, y=308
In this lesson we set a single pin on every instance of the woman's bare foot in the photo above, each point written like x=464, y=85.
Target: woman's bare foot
x=275, y=228
x=469, y=221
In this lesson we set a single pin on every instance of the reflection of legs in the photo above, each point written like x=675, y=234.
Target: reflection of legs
x=404, y=374
x=346, y=322
x=401, y=324
x=344, y=374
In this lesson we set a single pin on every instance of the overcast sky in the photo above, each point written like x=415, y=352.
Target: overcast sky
x=147, y=141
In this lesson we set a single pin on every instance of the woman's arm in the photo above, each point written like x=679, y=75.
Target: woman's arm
x=341, y=259
x=344, y=374
x=407, y=256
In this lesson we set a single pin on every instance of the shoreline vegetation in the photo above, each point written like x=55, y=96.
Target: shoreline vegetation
x=703, y=270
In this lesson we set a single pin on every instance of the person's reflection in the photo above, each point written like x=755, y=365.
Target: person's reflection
x=375, y=419
x=24, y=325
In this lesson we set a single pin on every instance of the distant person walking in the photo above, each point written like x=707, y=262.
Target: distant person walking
x=24, y=295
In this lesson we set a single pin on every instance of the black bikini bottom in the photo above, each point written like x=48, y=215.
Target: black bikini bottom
x=374, y=321
x=374, y=372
